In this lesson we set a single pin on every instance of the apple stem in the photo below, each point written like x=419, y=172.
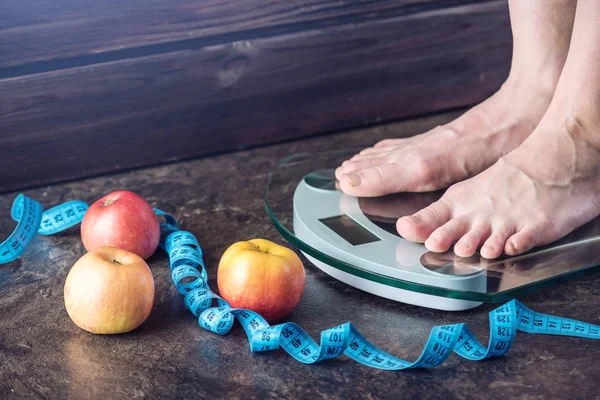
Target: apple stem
x=116, y=262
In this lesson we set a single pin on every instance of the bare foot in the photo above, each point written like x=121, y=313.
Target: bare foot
x=535, y=195
x=544, y=189
x=477, y=139
x=448, y=153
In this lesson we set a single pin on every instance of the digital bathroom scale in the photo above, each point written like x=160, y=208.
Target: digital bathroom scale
x=355, y=240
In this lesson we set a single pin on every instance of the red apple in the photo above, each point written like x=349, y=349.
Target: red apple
x=261, y=276
x=121, y=219
x=109, y=290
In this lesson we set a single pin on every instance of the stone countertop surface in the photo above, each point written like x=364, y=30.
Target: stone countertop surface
x=220, y=199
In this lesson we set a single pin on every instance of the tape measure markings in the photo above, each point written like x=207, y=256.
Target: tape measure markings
x=191, y=280
x=28, y=214
x=504, y=323
x=62, y=217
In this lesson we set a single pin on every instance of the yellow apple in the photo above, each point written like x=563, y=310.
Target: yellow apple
x=261, y=276
x=109, y=290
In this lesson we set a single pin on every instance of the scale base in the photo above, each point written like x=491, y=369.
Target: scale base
x=392, y=293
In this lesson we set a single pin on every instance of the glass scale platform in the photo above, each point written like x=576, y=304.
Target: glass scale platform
x=355, y=241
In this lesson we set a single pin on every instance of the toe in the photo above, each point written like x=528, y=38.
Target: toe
x=494, y=245
x=442, y=238
x=523, y=240
x=377, y=180
x=353, y=166
x=468, y=244
x=418, y=227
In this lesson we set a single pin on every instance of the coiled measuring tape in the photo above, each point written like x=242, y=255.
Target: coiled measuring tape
x=31, y=220
x=191, y=280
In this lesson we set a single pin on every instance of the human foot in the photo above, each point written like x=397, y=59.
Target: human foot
x=543, y=190
x=447, y=153
x=535, y=195
x=477, y=139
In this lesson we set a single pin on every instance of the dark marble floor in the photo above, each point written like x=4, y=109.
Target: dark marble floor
x=44, y=355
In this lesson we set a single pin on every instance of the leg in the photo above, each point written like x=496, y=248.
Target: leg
x=477, y=139
x=545, y=188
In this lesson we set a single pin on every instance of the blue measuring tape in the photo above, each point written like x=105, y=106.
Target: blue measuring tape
x=191, y=280
x=31, y=220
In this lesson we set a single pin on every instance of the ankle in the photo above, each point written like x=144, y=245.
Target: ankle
x=583, y=129
x=533, y=82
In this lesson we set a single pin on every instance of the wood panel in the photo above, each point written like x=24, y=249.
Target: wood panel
x=95, y=119
x=44, y=35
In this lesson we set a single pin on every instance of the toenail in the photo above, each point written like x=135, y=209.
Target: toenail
x=354, y=179
x=462, y=246
x=433, y=239
x=415, y=219
x=513, y=247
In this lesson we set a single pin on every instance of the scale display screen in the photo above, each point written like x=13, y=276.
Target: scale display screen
x=349, y=230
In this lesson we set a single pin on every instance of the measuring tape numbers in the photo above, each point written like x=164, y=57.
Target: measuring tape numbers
x=31, y=219
x=191, y=280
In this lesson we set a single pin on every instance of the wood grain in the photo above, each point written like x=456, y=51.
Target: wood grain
x=96, y=119
x=38, y=36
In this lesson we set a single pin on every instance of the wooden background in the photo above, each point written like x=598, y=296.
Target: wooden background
x=95, y=86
